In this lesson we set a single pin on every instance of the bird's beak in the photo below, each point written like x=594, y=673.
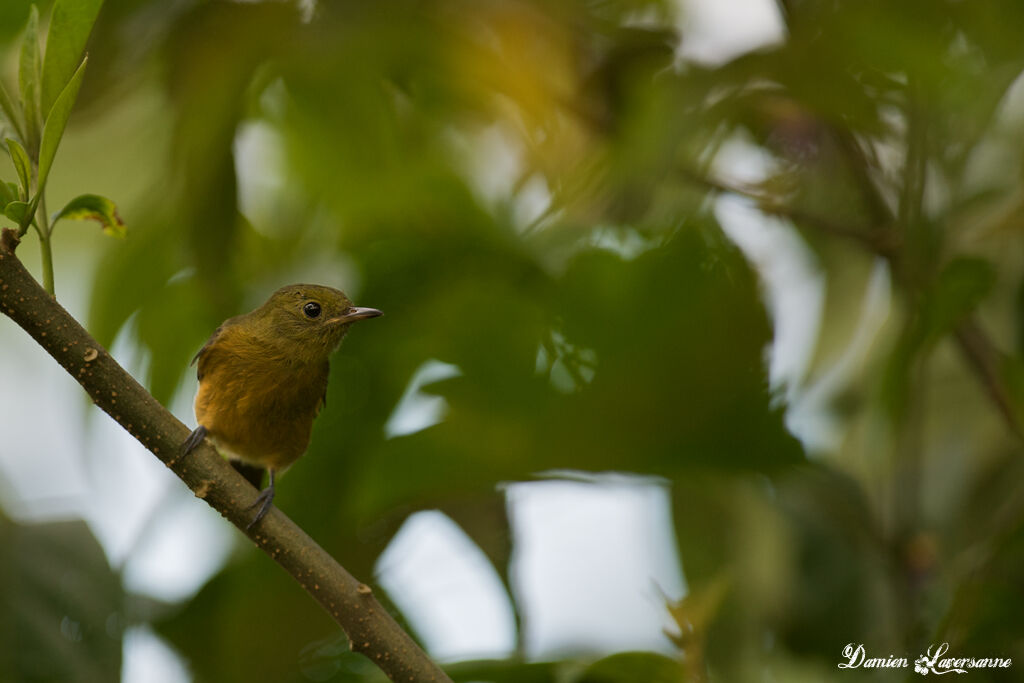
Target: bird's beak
x=355, y=314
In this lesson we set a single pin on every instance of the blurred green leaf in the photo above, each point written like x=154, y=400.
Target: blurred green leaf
x=22, y=165
x=28, y=81
x=8, y=193
x=70, y=25
x=962, y=285
x=12, y=17
x=206, y=218
x=147, y=260
x=61, y=610
x=231, y=598
x=10, y=112
x=507, y=671
x=983, y=594
x=56, y=121
x=957, y=291
x=175, y=304
x=840, y=555
x=1018, y=318
x=635, y=667
x=96, y=208
x=17, y=211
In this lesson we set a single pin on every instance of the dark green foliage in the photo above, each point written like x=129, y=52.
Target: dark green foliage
x=634, y=666
x=61, y=607
x=617, y=329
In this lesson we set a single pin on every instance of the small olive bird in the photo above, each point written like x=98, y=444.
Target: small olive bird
x=263, y=379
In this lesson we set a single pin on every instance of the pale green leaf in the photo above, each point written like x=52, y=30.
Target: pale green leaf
x=28, y=79
x=96, y=208
x=56, y=121
x=22, y=165
x=70, y=25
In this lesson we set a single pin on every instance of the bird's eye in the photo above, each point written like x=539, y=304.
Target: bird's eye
x=312, y=309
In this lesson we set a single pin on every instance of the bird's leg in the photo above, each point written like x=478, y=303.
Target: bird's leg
x=193, y=440
x=264, y=500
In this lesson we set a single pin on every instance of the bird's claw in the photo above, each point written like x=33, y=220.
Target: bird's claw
x=193, y=440
x=264, y=501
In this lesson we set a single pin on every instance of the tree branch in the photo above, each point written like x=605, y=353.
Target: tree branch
x=982, y=356
x=878, y=242
x=370, y=629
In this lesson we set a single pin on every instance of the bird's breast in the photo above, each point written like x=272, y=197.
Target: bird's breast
x=259, y=411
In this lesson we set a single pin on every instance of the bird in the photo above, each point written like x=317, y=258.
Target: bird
x=263, y=380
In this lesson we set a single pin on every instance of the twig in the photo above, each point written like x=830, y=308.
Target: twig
x=371, y=630
x=981, y=354
x=858, y=164
x=880, y=243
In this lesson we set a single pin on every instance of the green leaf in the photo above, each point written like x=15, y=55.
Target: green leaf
x=96, y=208
x=11, y=112
x=17, y=211
x=63, y=607
x=8, y=194
x=28, y=79
x=627, y=667
x=962, y=285
x=22, y=165
x=508, y=671
x=70, y=25
x=56, y=121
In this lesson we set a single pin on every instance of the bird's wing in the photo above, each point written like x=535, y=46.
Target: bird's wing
x=201, y=354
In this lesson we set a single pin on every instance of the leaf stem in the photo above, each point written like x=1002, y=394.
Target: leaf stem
x=47, y=255
x=45, y=245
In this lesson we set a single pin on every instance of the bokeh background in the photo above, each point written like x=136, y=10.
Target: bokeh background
x=701, y=356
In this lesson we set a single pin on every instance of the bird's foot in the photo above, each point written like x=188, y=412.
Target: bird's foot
x=193, y=440
x=263, y=501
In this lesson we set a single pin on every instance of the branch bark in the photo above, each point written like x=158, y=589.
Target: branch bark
x=369, y=627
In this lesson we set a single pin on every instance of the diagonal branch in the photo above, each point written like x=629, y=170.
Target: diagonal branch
x=370, y=629
x=878, y=242
x=983, y=357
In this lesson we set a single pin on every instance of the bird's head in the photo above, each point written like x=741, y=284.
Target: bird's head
x=308, y=320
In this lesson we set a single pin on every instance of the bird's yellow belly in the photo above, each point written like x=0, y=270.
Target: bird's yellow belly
x=266, y=423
